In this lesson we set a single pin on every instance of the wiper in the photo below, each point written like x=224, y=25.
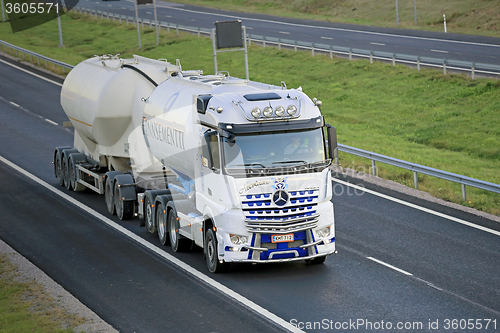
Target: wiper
x=249, y=164
x=288, y=162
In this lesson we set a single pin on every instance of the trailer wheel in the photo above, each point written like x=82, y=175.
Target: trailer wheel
x=316, y=261
x=65, y=166
x=179, y=243
x=108, y=196
x=72, y=161
x=58, y=165
x=149, y=214
x=211, y=254
x=161, y=219
x=124, y=209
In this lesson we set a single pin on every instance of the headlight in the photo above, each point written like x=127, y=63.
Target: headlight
x=268, y=111
x=280, y=111
x=291, y=109
x=322, y=233
x=256, y=112
x=237, y=239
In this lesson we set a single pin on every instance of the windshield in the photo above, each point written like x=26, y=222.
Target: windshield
x=274, y=150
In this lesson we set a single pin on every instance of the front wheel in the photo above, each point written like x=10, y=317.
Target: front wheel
x=211, y=254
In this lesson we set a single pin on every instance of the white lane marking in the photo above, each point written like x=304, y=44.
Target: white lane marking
x=168, y=16
x=331, y=28
x=26, y=71
x=326, y=38
x=284, y=32
x=430, y=211
x=149, y=13
x=382, y=44
x=51, y=122
x=439, y=51
x=17, y=105
x=390, y=266
x=182, y=265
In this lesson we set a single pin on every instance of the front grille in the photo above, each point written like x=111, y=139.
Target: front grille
x=299, y=213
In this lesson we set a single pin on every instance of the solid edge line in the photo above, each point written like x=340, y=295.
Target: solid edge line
x=390, y=266
x=430, y=211
x=27, y=71
x=220, y=287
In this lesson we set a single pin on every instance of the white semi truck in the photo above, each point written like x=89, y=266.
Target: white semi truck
x=236, y=167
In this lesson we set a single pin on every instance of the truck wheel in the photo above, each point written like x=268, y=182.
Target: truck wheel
x=124, y=209
x=316, y=261
x=108, y=196
x=72, y=161
x=58, y=165
x=179, y=243
x=161, y=219
x=211, y=254
x=149, y=216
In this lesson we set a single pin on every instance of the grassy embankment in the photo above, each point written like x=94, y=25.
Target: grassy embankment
x=480, y=17
x=24, y=307
x=447, y=122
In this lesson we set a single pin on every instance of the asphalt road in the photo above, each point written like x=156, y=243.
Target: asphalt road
x=469, y=48
x=440, y=269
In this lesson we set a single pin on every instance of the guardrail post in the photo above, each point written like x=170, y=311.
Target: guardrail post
x=312, y=49
x=331, y=52
x=472, y=71
x=444, y=66
x=279, y=43
x=199, y=33
x=177, y=29
x=142, y=23
x=295, y=45
x=371, y=57
x=418, y=63
x=150, y=27
x=374, y=168
x=415, y=179
x=263, y=41
x=464, y=193
x=350, y=53
x=394, y=59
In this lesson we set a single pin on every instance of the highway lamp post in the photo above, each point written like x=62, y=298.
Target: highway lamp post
x=415, y=7
x=137, y=22
x=59, y=23
x=156, y=24
x=3, y=12
x=397, y=14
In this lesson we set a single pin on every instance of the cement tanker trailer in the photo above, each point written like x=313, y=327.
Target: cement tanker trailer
x=236, y=167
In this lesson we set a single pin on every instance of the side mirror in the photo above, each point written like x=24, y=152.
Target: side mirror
x=332, y=141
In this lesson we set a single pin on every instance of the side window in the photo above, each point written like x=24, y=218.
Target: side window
x=210, y=151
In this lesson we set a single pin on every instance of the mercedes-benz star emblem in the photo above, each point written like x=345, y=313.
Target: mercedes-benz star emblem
x=280, y=198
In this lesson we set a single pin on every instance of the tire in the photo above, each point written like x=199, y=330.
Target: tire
x=124, y=209
x=161, y=222
x=108, y=196
x=211, y=254
x=58, y=168
x=149, y=215
x=72, y=161
x=67, y=182
x=177, y=242
x=316, y=261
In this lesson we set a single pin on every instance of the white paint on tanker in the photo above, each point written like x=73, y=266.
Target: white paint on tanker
x=101, y=99
x=170, y=124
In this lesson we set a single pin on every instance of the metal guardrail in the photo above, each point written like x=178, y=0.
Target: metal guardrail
x=445, y=64
x=417, y=168
x=31, y=54
x=374, y=157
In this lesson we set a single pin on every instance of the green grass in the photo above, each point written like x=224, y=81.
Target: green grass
x=480, y=17
x=24, y=307
x=449, y=122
